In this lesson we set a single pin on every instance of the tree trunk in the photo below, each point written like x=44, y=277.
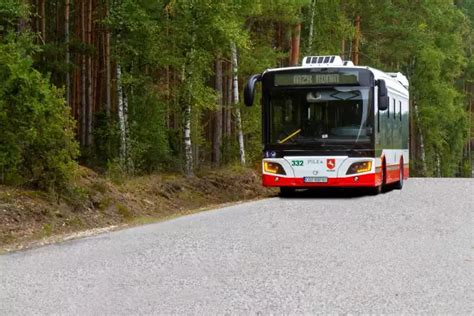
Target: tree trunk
x=90, y=101
x=228, y=121
x=83, y=79
x=438, y=165
x=471, y=134
x=311, y=28
x=168, y=97
x=421, y=139
x=217, y=139
x=66, y=36
x=187, y=99
x=188, y=148
x=355, y=46
x=279, y=33
x=238, y=119
x=412, y=138
x=295, y=45
x=123, y=122
x=108, y=100
x=42, y=14
x=343, y=41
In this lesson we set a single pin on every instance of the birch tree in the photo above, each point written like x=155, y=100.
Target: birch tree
x=235, y=76
x=188, y=148
x=311, y=27
x=123, y=121
x=217, y=139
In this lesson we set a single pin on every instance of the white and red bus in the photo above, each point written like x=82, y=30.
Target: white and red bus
x=329, y=123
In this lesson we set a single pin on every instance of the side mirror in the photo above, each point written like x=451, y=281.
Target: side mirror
x=249, y=90
x=383, y=96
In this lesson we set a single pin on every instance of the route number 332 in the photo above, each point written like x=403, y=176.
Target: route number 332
x=297, y=163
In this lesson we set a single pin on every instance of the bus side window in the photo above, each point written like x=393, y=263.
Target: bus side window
x=394, y=110
x=388, y=111
x=400, y=102
x=378, y=117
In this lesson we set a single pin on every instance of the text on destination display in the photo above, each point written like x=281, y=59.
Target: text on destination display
x=315, y=79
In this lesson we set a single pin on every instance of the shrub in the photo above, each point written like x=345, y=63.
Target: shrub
x=37, y=145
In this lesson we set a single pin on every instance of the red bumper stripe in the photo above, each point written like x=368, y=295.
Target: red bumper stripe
x=366, y=180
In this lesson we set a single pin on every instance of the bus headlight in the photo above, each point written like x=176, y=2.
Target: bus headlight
x=273, y=167
x=359, y=167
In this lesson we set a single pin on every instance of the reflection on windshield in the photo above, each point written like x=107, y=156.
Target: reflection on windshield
x=326, y=116
x=290, y=136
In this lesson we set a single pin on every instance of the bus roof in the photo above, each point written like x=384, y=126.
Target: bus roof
x=394, y=80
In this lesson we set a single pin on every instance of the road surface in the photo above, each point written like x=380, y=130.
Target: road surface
x=404, y=251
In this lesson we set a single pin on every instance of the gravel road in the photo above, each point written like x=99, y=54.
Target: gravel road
x=408, y=251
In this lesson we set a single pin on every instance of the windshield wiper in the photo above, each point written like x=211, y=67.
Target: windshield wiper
x=289, y=136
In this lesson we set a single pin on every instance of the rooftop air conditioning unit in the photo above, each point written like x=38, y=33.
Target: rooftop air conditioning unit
x=321, y=61
x=348, y=63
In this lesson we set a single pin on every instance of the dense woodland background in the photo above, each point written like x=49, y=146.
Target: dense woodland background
x=141, y=86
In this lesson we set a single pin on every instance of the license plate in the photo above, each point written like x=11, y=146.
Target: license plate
x=316, y=179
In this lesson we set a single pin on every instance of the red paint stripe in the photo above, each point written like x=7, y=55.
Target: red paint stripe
x=393, y=175
x=366, y=180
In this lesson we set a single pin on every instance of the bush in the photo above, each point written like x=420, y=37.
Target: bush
x=37, y=145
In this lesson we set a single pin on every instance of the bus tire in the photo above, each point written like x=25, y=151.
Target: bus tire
x=375, y=190
x=384, y=185
x=399, y=184
x=286, y=191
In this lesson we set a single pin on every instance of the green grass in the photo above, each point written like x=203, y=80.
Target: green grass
x=123, y=211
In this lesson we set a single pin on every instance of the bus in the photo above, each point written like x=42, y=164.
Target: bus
x=328, y=123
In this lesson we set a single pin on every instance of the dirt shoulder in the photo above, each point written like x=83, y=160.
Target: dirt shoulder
x=29, y=218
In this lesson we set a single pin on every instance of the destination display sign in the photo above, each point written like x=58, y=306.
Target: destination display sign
x=298, y=79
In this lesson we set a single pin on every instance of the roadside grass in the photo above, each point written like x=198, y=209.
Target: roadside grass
x=29, y=218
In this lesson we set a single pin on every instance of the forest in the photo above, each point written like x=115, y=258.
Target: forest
x=141, y=86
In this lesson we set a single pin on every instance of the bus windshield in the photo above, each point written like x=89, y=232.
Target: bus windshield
x=322, y=116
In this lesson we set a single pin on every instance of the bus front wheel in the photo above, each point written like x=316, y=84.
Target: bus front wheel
x=375, y=190
x=382, y=187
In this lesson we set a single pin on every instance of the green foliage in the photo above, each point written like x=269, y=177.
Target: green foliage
x=138, y=49
x=428, y=41
x=106, y=142
x=11, y=11
x=150, y=148
x=184, y=37
x=330, y=26
x=37, y=144
x=116, y=172
x=166, y=50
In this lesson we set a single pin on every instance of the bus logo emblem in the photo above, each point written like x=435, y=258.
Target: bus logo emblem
x=331, y=163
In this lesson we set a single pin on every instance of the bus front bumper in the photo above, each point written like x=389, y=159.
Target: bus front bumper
x=365, y=180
